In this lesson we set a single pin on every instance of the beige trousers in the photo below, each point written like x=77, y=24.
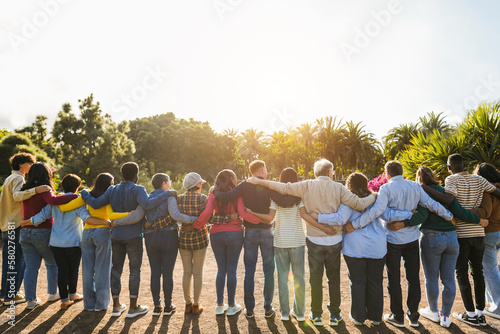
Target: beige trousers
x=193, y=262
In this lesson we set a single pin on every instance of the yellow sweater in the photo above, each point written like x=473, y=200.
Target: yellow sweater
x=105, y=213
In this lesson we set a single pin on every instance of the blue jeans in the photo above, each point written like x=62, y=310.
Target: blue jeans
x=255, y=238
x=162, y=248
x=120, y=249
x=227, y=248
x=439, y=253
x=35, y=244
x=491, y=272
x=294, y=257
x=11, y=246
x=367, y=291
x=96, y=268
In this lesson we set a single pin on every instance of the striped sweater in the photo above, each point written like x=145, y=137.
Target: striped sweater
x=468, y=190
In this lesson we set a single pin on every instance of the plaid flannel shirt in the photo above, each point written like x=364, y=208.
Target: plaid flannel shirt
x=191, y=203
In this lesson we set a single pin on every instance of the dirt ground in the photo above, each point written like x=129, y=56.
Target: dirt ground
x=47, y=318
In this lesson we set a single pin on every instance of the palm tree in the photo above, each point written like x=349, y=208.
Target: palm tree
x=306, y=136
x=251, y=146
x=359, y=147
x=398, y=139
x=231, y=133
x=330, y=137
x=433, y=121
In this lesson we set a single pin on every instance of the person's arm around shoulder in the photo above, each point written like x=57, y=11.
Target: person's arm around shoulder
x=96, y=203
x=355, y=202
x=148, y=202
x=295, y=189
x=74, y=204
x=22, y=195
x=375, y=211
x=436, y=207
x=52, y=199
x=231, y=195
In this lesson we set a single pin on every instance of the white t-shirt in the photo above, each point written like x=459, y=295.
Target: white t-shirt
x=289, y=229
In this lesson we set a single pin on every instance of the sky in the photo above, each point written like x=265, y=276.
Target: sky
x=267, y=64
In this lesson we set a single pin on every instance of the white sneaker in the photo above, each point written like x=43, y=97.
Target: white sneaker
x=139, y=310
x=53, y=297
x=445, y=321
x=285, y=317
x=234, y=309
x=33, y=303
x=300, y=319
x=432, y=316
x=118, y=310
x=220, y=309
x=354, y=321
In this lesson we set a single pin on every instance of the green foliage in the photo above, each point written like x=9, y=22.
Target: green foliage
x=476, y=139
x=3, y=133
x=14, y=143
x=165, y=143
x=90, y=143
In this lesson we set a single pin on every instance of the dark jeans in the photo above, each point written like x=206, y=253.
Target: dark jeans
x=68, y=264
x=411, y=260
x=119, y=249
x=162, y=247
x=320, y=258
x=255, y=239
x=227, y=248
x=11, y=246
x=471, y=253
x=367, y=292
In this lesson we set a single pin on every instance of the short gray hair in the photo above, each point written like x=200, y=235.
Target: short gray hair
x=322, y=167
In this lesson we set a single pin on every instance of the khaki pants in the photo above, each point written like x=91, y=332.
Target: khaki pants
x=192, y=261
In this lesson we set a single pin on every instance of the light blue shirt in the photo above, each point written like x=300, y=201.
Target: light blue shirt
x=369, y=242
x=67, y=227
x=401, y=194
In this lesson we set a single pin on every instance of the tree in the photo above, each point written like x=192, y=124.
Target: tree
x=307, y=150
x=330, y=136
x=14, y=143
x=90, y=143
x=37, y=131
x=398, y=139
x=361, y=149
x=432, y=122
x=250, y=146
x=476, y=139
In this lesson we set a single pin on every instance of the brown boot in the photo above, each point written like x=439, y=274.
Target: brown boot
x=197, y=309
x=189, y=308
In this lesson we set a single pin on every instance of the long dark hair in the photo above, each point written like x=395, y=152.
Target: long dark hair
x=224, y=183
x=425, y=176
x=290, y=175
x=488, y=171
x=357, y=183
x=39, y=174
x=101, y=184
